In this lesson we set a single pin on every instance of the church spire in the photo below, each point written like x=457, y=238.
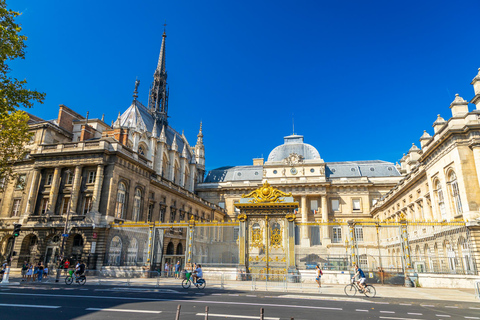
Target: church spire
x=158, y=99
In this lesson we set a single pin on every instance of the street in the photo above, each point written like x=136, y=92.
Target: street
x=107, y=302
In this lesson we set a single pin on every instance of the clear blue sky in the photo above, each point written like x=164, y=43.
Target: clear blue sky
x=363, y=79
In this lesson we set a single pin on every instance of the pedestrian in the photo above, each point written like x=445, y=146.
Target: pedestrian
x=319, y=274
x=45, y=271
x=40, y=271
x=177, y=270
x=35, y=271
x=66, y=265
x=24, y=271
x=166, y=269
x=29, y=272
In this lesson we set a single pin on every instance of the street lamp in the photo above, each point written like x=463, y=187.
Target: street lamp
x=64, y=235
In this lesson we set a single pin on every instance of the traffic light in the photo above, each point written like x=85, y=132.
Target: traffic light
x=16, y=229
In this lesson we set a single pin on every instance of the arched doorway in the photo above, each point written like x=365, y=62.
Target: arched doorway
x=29, y=249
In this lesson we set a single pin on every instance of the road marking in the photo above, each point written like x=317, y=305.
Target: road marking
x=250, y=295
x=28, y=306
x=474, y=308
x=415, y=314
x=399, y=318
x=216, y=294
x=122, y=310
x=172, y=300
x=387, y=311
x=405, y=304
x=234, y=316
x=235, y=295
x=426, y=305
x=361, y=310
x=442, y=315
x=472, y=318
x=451, y=307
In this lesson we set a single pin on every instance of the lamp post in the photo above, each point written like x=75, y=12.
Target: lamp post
x=59, y=270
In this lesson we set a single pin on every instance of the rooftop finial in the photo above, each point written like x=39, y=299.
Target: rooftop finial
x=165, y=28
x=135, y=92
x=293, y=124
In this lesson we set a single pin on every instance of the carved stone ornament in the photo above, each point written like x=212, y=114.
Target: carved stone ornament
x=266, y=193
x=293, y=159
x=242, y=217
x=290, y=217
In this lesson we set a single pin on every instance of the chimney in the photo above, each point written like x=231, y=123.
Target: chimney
x=66, y=117
x=258, y=162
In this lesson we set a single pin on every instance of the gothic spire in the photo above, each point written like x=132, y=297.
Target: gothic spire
x=158, y=99
x=200, y=135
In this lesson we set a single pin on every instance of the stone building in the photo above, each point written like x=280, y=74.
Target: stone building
x=326, y=191
x=441, y=183
x=81, y=174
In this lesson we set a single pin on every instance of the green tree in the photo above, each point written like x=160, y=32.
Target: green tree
x=14, y=131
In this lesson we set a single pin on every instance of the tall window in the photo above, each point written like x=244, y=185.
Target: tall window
x=44, y=205
x=115, y=251
x=2, y=183
x=313, y=206
x=337, y=234
x=356, y=205
x=137, y=202
x=69, y=178
x=162, y=214
x=49, y=179
x=65, y=204
x=87, y=204
x=150, y=211
x=358, y=233
x=335, y=205
x=120, y=206
x=16, y=207
x=132, y=252
x=457, y=203
x=440, y=199
x=91, y=176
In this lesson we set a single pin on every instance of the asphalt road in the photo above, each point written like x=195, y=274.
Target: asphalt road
x=44, y=301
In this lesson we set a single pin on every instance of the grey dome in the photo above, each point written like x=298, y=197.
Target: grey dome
x=294, y=144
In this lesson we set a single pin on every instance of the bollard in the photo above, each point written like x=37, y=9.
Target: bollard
x=206, y=313
x=262, y=314
x=222, y=281
x=6, y=275
x=178, y=313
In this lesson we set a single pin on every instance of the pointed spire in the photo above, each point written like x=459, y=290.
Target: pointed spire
x=158, y=97
x=163, y=137
x=154, y=130
x=185, y=152
x=200, y=135
x=425, y=139
x=135, y=92
x=174, y=143
x=119, y=119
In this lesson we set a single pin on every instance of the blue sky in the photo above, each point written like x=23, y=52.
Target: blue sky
x=362, y=79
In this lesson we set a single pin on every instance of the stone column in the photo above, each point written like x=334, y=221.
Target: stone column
x=325, y=233
x=427, y=210
x=52, y=197
x=476, y=157
x=32, y=194
x=303, y=207
x=76, y=189
x=97, y=189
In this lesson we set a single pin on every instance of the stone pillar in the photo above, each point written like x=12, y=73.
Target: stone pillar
x=303, y=206
x=476, y=157
x=97, y=189
x=76, y=189
x=52, y=197
x=191, y=186
x=182, y=178
x=325, y=233
x=32, y=194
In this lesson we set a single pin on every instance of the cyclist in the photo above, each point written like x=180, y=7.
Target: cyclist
x=362, y=278
x=197, y=273
x=79, y=270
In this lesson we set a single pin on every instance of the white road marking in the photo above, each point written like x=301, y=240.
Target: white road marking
x=28, y=306
x=426, y=305
x=361, y=310
x=474, y=308
x=216, y=294
x=405, y=304
x=399, y=318
x=387, y=311
x=250, y=295
x=451, y=307
x=472, y=318
x=172, y=300
x=122, y=310
x=415, y=314
x=235, y=316
x=235, y=295
x=442, y=315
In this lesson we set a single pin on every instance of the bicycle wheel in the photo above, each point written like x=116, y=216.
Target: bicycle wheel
x=186, y=284
x=201, y=284
x=370, y=291
x=350, y=290
x=69, y=280
x=82, y=280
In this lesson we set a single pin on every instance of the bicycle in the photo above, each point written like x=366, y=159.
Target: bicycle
x=352, y=288
x=80, y=279
x=187, y=282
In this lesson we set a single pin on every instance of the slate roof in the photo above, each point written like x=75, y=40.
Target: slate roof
x=293, y=144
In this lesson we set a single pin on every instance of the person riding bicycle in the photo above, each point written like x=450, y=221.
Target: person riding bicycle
x=197, y=273
x=361, y=275
x=79, y=269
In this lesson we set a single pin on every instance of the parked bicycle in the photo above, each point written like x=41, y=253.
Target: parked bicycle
x=187, y=282
x=352, y=288
x=80, y=279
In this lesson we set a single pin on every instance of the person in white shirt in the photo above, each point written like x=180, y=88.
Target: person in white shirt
x=197, y=273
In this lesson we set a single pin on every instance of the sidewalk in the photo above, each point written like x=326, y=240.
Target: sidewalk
x=299, y=290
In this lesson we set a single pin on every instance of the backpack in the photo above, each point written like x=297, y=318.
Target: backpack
x=321, y=273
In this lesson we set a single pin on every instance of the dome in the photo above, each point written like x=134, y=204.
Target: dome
x=294, y=144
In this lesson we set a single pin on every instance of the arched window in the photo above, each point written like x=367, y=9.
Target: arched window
x=440, y=199
x=170, y=248
x=115, y=251
x=78, y=241
x=455, y=194
x=137, y=202
x=132, y=252
x=120, y=205
x=180, y=248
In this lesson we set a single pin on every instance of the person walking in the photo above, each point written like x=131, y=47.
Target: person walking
x=319, y=275
x=166, y=269
x=35, y=271
x=24, y=271
x=66, y=265
x=45, y=272
x=29, y=272
x=177, y=270
x=40, y=271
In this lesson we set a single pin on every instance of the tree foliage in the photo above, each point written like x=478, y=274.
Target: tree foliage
x=14, y=132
